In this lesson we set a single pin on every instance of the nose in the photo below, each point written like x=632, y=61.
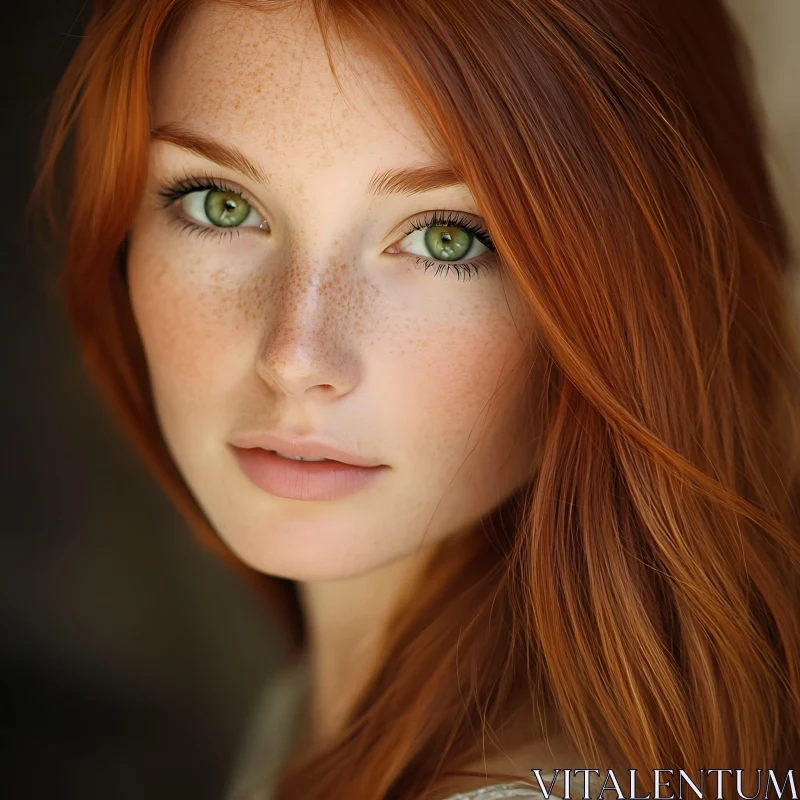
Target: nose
x=306, y=351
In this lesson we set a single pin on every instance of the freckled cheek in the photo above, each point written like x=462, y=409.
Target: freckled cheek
x=444, y=376
x=188, y=328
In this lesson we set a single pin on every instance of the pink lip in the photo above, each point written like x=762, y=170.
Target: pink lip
x=299, y=480
x=302, y=447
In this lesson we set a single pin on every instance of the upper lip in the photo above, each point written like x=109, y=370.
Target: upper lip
x=304, y=447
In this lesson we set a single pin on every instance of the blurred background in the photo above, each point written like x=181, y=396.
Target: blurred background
x=130, y=656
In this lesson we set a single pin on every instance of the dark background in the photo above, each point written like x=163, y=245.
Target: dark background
x=129, y=656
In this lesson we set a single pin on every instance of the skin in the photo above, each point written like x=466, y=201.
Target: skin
x=309, y=325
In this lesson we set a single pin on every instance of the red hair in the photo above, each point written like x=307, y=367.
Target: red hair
x=645, y=587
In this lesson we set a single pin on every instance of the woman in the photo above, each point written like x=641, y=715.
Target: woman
x=515, y=270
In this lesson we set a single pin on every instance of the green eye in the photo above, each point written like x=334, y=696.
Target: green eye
x=446, y=242
x=219, y=208
x=226, y=209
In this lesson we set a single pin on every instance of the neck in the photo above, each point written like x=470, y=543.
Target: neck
x=346, y=620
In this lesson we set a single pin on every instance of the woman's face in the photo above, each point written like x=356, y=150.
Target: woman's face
x=301, y=305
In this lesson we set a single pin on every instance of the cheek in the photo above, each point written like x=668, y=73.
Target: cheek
x=453, y=381
x=187, y=325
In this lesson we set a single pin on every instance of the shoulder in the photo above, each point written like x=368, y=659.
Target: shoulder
x=508, y=773
x=499, y=791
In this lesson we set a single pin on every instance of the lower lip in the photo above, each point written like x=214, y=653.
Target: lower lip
x=302, y=480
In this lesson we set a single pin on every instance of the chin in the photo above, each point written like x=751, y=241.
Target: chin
x=304, y=549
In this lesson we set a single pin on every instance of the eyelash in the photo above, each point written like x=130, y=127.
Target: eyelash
x=171, y=193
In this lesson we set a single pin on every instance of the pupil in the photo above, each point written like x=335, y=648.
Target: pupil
x=226, y=209
x=448, y=243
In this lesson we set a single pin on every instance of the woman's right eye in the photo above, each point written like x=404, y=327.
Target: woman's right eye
x=220, y=208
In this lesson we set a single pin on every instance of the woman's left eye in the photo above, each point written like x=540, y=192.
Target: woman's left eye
x=445, y=239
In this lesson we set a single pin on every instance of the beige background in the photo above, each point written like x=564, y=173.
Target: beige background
x=772, y=28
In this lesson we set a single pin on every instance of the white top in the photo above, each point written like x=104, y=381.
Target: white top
x=271, y=728
x=499, y=791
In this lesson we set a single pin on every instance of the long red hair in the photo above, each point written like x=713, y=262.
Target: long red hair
x=645, y=587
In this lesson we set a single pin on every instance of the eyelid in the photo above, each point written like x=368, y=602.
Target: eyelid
x=171, y=190
x=438, y=216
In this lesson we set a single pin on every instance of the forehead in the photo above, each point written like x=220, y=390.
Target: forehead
x=262, y=81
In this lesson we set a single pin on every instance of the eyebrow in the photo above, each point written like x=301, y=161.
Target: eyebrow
x=406, y=180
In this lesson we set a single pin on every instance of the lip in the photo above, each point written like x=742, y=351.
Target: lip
x=305, y=447
x=303, y=480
